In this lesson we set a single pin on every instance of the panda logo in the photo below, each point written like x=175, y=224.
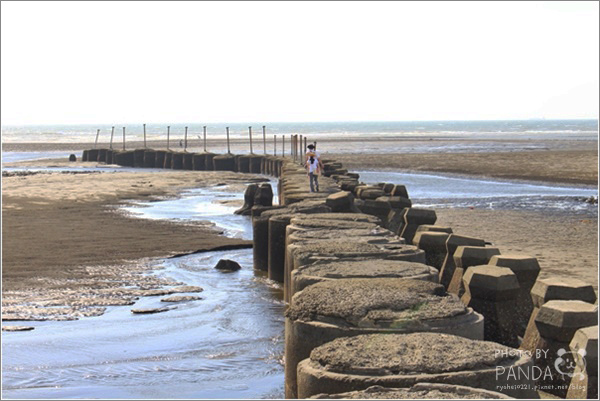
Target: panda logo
x=567, y=361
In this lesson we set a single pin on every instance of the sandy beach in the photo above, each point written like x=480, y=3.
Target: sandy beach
x=61, y=231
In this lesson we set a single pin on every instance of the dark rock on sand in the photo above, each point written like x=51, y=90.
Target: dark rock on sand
x=17, y=328
x=181, y=298
x=228, y=265
x=149, y=310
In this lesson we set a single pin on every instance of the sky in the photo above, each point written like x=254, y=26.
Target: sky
x=99, y=62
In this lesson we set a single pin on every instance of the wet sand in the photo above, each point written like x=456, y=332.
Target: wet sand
x=61, y=232
x=64, y=243
x=567, y=166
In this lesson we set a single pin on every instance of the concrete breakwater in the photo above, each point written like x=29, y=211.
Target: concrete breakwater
x=380, y=295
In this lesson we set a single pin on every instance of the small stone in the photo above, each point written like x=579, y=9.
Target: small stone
x=229, y=265
x=149, y=310
x=17, y=328
x=187, y=288
x=181, y=298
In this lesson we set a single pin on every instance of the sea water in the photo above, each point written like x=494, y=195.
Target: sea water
x=517, y=129
x=451, y=191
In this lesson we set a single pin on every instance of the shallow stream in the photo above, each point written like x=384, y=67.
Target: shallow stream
x=229, y=344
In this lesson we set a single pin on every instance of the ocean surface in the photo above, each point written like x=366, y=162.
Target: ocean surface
x=518, y=129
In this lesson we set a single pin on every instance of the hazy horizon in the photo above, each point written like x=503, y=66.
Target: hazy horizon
x=292, y=122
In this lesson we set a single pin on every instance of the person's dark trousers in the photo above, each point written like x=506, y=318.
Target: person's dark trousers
x=314, y=182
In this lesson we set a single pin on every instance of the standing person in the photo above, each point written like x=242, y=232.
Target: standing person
x=313, y=165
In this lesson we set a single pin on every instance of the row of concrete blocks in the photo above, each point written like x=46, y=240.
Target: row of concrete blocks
x=346, y=276
x=498, y=286
x=505, y=289
x=205, y=161
x=300, y=276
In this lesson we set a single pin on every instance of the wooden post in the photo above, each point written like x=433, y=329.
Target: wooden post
x=204, y=129
x=250, y=135
x=96, y=142
x=185, y=140
x=123, y=138
x=112, y=134
x=168, y=135
x=264, y=141
x=144, y=136
x=283, y=145
x=304, y=148
x=228, y=151
x=274, y=145
x=300, y=148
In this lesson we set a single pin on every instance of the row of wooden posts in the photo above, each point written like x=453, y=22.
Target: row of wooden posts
x=297, y=141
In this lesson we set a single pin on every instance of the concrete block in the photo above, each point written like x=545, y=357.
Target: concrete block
x=150, y=158
x=396, y=202
x=413, y=218
x=561, y=288
x=492, y=291
x=249, y=197
x=465, y=257
x=559, y=320
x=199, y=162
x=433, y=243
x=224, y=162
x=377, y=208
x=350, y=307
x=138, y=157
x=434, y=391
x=340, y=202
x=453, y=242
x=255, y=162
x=168, y=159
x=546, y=290
x=527, y=269
x=360, y=268
x=159, y=161
x=491, y=283
x=399, y=190
x=92, y=155
x=188, y=161
x=370, y=193
x=584, y=375
x=433, y=228
x=264, y=195
x=177, y=161
x=395, y=220
x=402, y=360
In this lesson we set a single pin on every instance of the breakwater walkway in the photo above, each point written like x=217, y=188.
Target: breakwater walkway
x=381, y=300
